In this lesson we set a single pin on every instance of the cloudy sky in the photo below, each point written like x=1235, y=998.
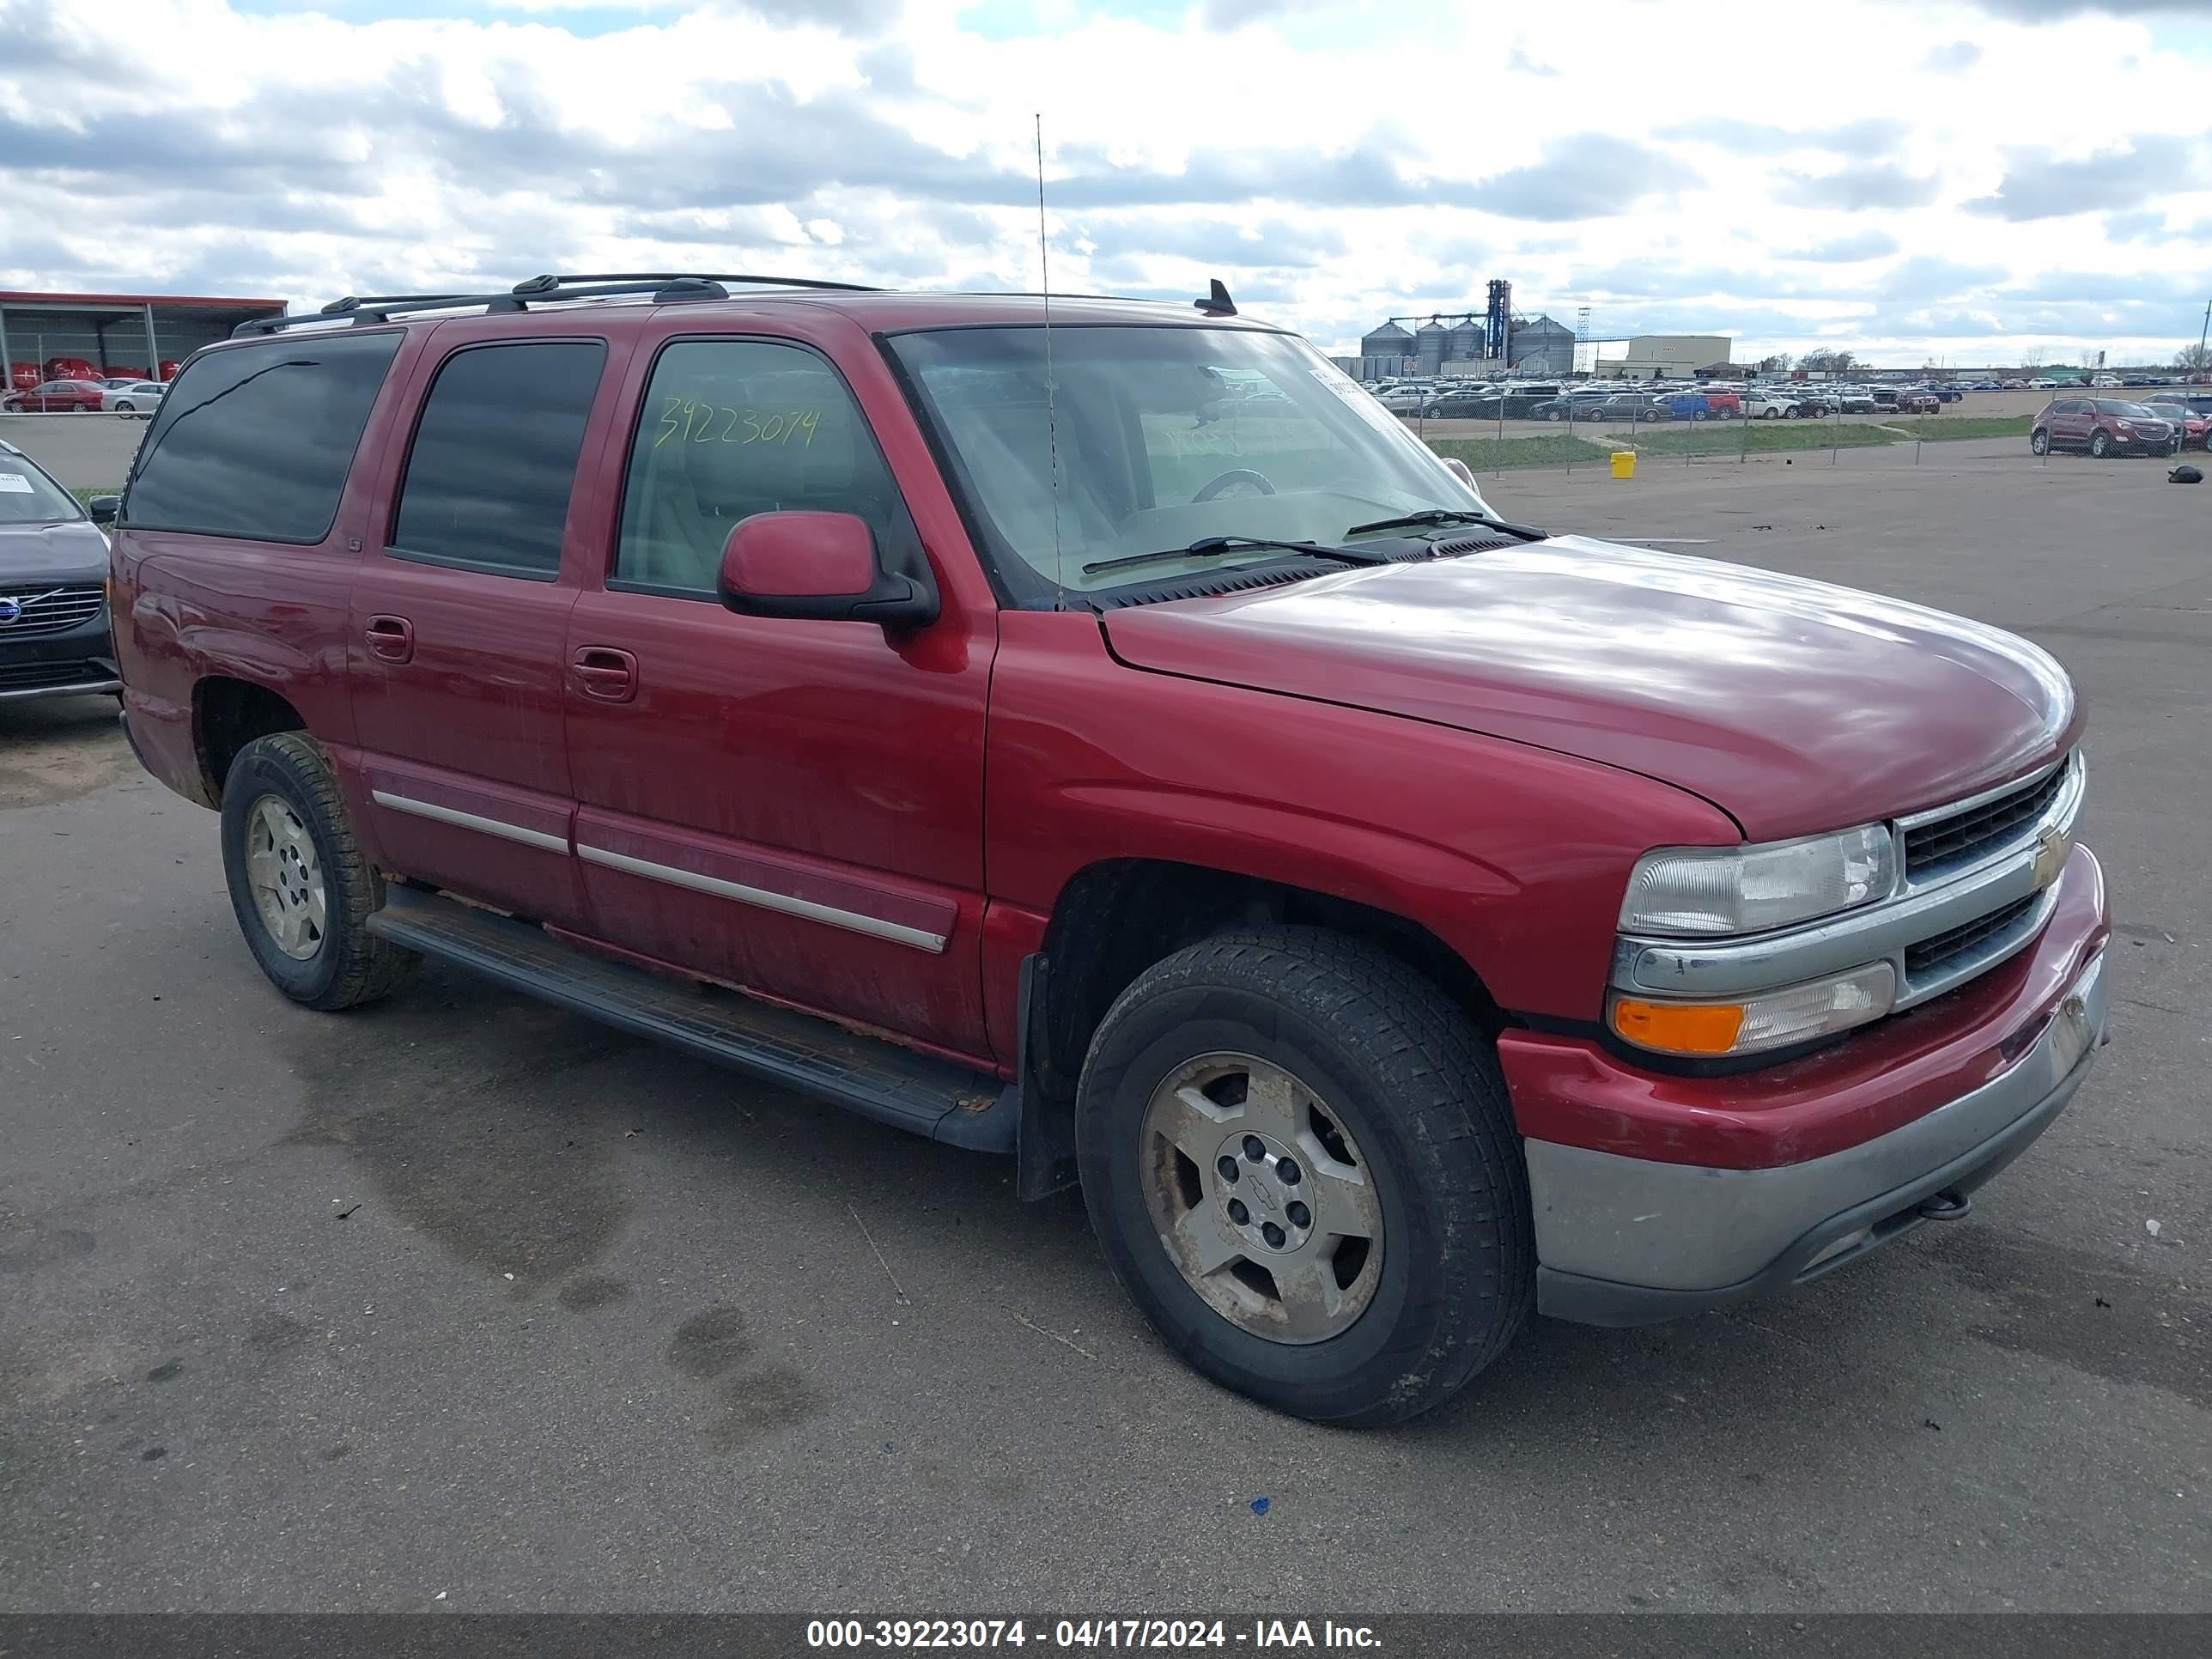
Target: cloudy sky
x=1925, y=181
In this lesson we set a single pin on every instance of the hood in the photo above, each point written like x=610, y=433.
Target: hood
x=1793, y=706
x=74, y=551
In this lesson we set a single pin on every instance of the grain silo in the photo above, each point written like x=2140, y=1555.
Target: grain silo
x=1465, y=342
x=1388, y=341
x=1428, y=342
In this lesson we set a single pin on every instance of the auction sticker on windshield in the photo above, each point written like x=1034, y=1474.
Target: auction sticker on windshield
x=14, y=484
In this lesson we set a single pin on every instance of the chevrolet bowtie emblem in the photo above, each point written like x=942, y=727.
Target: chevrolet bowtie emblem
x=2052, y=847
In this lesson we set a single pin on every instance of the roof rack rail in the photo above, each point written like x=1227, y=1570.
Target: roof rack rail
x=698, y=276
x=667, y=287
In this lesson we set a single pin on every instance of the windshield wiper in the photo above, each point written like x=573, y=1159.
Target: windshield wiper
x=1431, y=516
x=1207, y=546
x=1426, y=516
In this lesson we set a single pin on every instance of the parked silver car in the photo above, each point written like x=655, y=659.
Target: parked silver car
x=133, y=399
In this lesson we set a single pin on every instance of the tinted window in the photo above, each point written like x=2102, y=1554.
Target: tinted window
x=734, y=427
x=495, y=457
x=255, y=441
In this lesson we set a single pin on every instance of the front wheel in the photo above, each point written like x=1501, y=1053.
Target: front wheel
x=1300, y=1162
x=299, y=886
x=2101, y=445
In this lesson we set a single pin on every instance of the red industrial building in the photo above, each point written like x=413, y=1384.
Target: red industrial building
x=57, y=337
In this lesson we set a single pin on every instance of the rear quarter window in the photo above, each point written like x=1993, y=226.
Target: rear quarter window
x=255, y=441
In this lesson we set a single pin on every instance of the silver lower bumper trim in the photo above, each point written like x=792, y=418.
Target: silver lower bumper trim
x=1686, y=1227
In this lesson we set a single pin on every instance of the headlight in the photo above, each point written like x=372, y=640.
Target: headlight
x=1702, y=890
x=1752, y=1025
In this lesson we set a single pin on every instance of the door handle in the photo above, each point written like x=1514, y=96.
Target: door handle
x=391, y=639
x=602, y=672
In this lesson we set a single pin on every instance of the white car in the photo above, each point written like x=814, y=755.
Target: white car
x=132, y=398
x=2043, y=383
x=1766, y=405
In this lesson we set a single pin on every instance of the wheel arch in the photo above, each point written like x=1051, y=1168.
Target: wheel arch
x=228, y=714
x=1115, y=918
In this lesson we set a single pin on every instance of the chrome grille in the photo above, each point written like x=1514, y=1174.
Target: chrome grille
x=1966, y=836
x=53, y=611
x=1953, y=944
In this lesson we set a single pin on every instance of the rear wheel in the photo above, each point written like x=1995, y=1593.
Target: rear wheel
x=1299, y=1160
x=2039, y=442
x=299, y=886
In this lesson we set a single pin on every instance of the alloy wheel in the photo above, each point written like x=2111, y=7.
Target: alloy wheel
x=1261, y=1199
x=286, y=878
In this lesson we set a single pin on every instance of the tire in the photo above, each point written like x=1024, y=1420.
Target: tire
x=1415, y=1091
x=126, y=408
x=2099, y=444
x=2039, y=442
x=347, y=964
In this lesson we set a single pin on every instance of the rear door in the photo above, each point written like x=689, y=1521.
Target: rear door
x=460, y=614
x=794, y=807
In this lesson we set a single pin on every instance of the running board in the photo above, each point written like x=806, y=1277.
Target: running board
x=938, y=1098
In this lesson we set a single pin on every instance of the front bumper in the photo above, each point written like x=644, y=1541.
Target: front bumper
x=1633, y=1240
x=71, y=663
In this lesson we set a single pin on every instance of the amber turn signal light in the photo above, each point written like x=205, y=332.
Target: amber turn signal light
x=1679, y=1028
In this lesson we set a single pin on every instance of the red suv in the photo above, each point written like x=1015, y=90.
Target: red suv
x=1395, y=919
x=2102, y=427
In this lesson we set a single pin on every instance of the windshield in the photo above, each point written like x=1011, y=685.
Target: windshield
x=1162, y=436
x=2126, y=411
x=28, y=495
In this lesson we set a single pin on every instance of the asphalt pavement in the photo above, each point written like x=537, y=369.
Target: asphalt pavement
x=84, y=452
x=459, y=1302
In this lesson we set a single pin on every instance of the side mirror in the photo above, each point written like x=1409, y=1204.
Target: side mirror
x=822, y=567
x=1460, y=470
x=104, y=509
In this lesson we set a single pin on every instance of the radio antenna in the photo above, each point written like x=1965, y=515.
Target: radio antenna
x=1051, y=413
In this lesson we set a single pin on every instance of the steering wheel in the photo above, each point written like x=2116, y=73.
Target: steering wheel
x=1240, y=474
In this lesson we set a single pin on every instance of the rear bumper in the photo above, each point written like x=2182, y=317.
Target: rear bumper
x=1785, y=1189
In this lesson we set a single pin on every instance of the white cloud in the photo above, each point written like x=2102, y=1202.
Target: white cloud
x=1277, y=143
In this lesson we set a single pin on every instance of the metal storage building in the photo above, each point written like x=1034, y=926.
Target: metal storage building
x=51, y=336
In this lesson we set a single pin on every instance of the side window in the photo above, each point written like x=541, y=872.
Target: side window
x=734, y=427
x=495, y=457
x=255, y=441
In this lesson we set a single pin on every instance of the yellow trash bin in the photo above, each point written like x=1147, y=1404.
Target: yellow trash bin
x=1624, y=463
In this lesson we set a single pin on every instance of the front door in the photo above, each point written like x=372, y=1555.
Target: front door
x=794, y=807
x=459, y=621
